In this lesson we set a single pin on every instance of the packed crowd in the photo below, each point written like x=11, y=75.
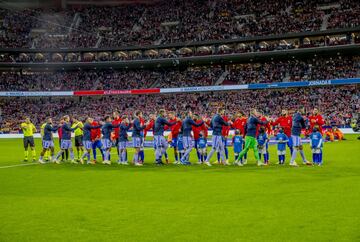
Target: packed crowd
x=171, y=21
x=337, y=104
x=106, y=79
x=272, y=71
x=345, y=17
x=294, y=70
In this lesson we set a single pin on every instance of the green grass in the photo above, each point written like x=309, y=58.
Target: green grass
x=101, y=203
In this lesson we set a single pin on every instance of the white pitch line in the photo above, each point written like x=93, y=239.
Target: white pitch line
x=29, y=164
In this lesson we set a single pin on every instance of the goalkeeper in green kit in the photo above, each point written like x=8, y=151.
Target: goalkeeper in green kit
x=250, y=136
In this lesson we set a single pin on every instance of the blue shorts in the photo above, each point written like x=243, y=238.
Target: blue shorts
x=296, y=140
x=187, y=142
x=96, y=144
x=217, y=142
x=290, y=143
x=196, y=143
x=174, y=142
x=160, y=141
x=137, y=142
x=224, y=141
x=47, y=144
x=107, y=144
x=180, y=145
x=65, y=144
x=122, y=145
x=237, y=149
x=87, y=144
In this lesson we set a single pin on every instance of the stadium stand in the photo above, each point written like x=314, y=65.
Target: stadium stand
x=158, y=24
x=267, y=72
x=338, y=105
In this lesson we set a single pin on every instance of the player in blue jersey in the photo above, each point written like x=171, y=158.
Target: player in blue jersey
x=298, y=123
x=186, y=126
x=137, y=137
x=47, y=140
x=316, y=143
x=123, y=139
x=160, y=142
x=217, y=123
x=237, y=145
x=262, y=141
x=282, y=140
x=202, y=147
x=87, y=143
x=66, y=143
x=106, y=130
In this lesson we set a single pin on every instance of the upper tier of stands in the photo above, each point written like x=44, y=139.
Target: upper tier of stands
x=171, y=21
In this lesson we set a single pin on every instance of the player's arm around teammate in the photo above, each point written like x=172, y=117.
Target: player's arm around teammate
x=87, y=139
x=123, y=139
x=47, y=141
x=250, y=138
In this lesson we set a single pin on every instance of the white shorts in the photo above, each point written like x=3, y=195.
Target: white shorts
x=47, y=144
x=202, y=150
x=107, y=144
x=281, y=152
x=160, y=142
x=187, y=142
x=217, y=142
x=87, y=144
x=122, y=145
x=296, y=140
x=66, y=144
x=137, y=142
x=316, y=151
x=262, y=150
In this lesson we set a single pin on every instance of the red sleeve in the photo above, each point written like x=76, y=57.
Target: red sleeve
x=276, y=122
x=321, y=120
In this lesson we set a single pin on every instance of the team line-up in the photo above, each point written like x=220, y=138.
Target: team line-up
x=186, y=133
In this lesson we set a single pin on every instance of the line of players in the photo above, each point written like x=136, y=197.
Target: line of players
x=250, y=133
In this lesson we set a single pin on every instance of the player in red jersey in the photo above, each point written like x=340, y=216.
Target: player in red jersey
x=316, y=120
x=224, y=134
x=148, y=127
x=285, y=122
x=268, y=129
x=116, y=121
x=196, y=131
x=239, y=124
x=175, y=130
x=95, y=135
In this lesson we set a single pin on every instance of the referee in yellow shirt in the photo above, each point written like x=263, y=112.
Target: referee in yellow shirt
x=28, y=130
x=78, y=136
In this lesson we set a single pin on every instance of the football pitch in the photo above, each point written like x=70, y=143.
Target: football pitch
x=175, y=203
